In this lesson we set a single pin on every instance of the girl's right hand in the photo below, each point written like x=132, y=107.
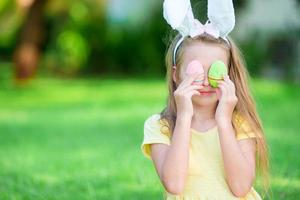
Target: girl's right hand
x=183, y=96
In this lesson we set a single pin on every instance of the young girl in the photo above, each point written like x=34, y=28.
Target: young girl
x=207, y=142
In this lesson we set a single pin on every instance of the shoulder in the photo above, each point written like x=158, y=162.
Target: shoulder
x=152, y=119
x=153, y=133
x=156, y=122
x=152, y=122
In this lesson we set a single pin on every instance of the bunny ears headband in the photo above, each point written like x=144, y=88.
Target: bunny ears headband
x=179, y=15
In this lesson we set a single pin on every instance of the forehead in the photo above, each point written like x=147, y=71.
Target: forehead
x=206, y=53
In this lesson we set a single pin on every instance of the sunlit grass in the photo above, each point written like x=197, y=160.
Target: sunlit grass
x=80, y=139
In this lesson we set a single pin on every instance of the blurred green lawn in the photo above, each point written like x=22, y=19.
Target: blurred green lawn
x=80, y=139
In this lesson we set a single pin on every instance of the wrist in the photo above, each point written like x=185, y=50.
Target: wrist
x=184, y=120
x=223, y=120
x=184, y=116
x=225, y=124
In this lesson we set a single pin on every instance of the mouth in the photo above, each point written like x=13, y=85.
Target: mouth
x=207, y=92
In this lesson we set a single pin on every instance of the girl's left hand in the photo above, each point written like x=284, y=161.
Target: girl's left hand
x=227, y=101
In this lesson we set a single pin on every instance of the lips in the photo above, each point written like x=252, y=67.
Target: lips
x=207, y=91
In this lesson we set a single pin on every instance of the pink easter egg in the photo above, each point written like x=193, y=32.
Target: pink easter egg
x=194, y=67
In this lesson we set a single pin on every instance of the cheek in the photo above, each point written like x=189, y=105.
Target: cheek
x=182, y=76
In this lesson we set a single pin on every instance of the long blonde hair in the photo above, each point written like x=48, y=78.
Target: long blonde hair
x=245, y=108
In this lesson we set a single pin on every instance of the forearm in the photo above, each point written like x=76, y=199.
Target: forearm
x=238, y=171
x=176, y=161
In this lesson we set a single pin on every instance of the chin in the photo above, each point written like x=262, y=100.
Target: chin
x=204, y=100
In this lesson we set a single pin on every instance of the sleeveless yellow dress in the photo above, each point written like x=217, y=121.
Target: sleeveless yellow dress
x=206, y=180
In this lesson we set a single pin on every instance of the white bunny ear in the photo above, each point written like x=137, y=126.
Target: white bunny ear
x=179, y=14
x=221, y=14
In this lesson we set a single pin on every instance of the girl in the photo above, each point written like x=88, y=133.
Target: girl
x=207, y=142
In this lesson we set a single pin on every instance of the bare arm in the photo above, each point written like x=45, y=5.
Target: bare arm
x=238, y=156
x=239, y=160
x=171, y=162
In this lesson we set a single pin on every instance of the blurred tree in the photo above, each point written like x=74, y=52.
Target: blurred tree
x=271, y=41
x=76, y=36
x=73, y=37
x=27, y=52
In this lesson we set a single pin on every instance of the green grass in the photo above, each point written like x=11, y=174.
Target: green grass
x=80, y=139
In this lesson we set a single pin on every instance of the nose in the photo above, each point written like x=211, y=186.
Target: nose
x=205, y=82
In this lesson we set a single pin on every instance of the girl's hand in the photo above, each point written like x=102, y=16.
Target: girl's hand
x=183, y=96
x=227, y=101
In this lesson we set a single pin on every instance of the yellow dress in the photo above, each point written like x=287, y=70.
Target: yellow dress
x=206, y=180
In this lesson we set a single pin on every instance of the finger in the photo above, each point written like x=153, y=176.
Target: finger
x=193, y=87
x=230, y=83
x=218, y=93
x=222, y=88
x=190, y=87
x=188, y=81
x=199, y=79
x=227, y=79
x=231, y=86
x=193, y=92
x=189, y=90
x=230, y=94
x=227, y=87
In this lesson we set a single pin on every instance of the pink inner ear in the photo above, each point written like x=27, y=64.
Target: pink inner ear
x=194, y=67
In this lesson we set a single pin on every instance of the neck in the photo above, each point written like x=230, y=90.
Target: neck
x=204, y=114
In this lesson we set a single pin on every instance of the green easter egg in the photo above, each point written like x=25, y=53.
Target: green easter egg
x=216, y=72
